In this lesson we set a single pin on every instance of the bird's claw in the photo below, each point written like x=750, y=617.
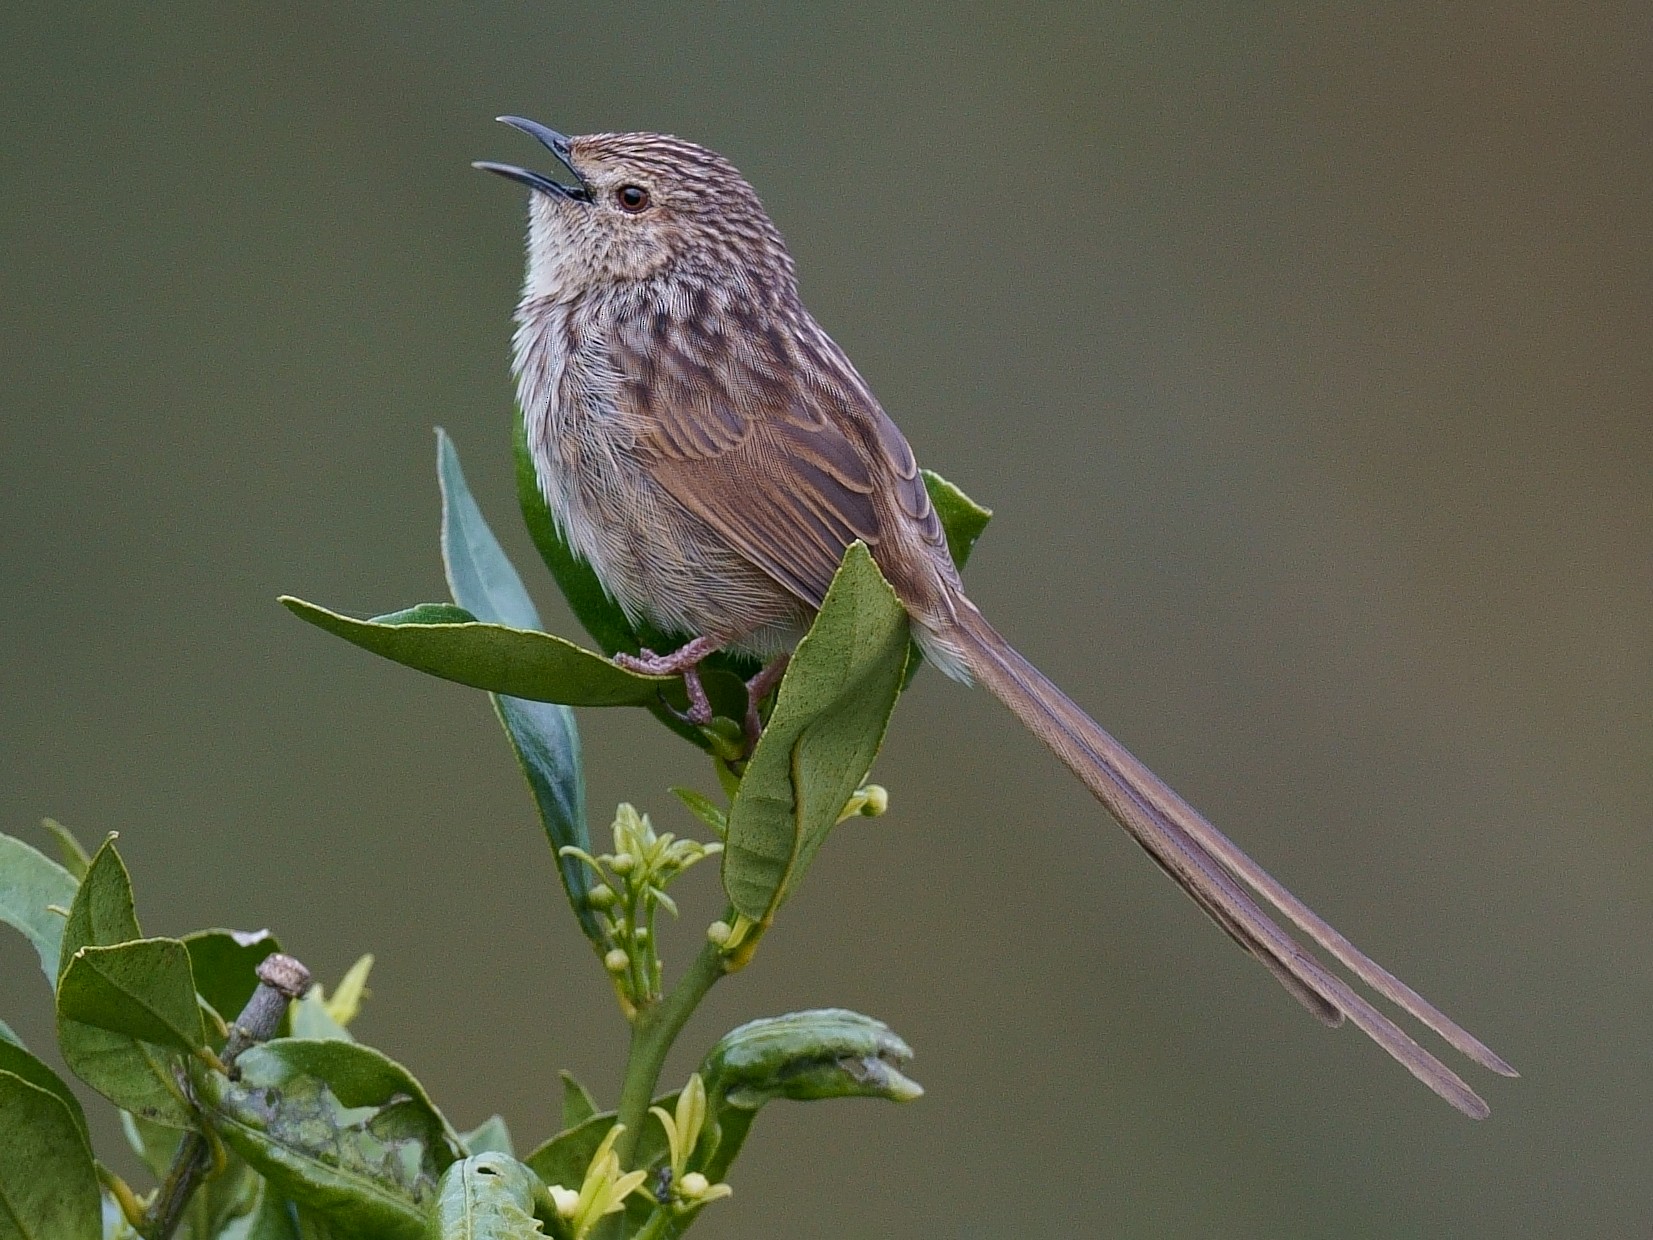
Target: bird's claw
x=756, y=690
x=684, y=662
x=700, y=707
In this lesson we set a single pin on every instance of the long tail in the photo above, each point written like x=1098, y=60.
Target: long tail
x=1210, y=868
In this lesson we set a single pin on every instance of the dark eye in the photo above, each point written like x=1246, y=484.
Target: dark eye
x=632, y=197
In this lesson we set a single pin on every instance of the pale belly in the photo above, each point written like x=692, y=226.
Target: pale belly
x=660, y=562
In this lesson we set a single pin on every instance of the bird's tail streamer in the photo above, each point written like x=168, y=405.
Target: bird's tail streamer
x=1213, y=870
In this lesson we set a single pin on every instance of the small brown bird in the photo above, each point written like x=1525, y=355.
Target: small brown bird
x=711, y=453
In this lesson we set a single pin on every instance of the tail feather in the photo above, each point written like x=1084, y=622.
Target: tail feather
x=1210, y=868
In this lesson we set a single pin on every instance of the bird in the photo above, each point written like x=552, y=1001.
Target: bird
x=711, y=453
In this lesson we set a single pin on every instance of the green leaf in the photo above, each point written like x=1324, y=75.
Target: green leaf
x=136, y=1076
x=225, y=964
x=481, y=577
x=577, y=1103
x=101, y=913
x=345, y=1003
x=426, y=613
x=312, y=1226
x=803, y=1056
x=564, y=1158
x=272, y=1217
x=30, y=883
x=338, y=1128
x=48, y=1189
x=504, y=660
x=547, y=746
x=152, y=1143
x=705, y=809
x=143, y=989
x=318, y=1018
x=18, y=1061
x=491, y=1136
x=544, y=735
x=486, y=1197
x=829, y=720
x=962, y=519
x=313, y=1022
x=75, y=856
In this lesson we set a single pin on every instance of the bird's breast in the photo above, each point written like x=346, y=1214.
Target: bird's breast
x=655, y=558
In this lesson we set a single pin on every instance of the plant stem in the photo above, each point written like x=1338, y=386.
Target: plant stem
x=652, y=1033
x=280, y=979
x=636, y=957
x=189, y=1165
x=131, y=1208
x=658, y=1226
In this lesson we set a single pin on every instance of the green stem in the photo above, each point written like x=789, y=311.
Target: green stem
x=131, y=1208
x=658, y=1226
x=652, y=956
x=652, y=1033
x=736, y=1124
x=637, y=955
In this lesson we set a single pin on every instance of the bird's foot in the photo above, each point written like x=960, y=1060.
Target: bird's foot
x=684, y=661
x=756, y=690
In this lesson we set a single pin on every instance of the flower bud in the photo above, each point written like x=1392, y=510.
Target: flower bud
x=622, y=863
x=878, y=800
x=726, y=738
x=565, y=1199
x=602, y=896
x=616, y=961
x=693, y=1184
x=718, y=932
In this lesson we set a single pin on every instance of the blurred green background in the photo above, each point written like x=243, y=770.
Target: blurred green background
x=1304, y=353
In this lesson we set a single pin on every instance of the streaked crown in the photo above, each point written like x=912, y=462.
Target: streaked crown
x=646, y=206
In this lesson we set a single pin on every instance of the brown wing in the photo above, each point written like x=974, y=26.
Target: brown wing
x=775, y=442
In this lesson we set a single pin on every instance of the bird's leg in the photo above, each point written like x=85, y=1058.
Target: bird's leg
x=756, y=690
x=685, y=661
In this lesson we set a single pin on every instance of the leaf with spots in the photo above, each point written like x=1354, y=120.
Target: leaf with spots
x=337, y=1128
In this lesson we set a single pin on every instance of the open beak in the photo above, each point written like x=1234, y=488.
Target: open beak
x=558, y=145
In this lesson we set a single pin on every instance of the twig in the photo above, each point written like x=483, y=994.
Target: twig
x=280, y=980
x=652, y=1034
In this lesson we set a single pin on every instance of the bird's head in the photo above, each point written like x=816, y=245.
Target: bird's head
x=635, y=206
